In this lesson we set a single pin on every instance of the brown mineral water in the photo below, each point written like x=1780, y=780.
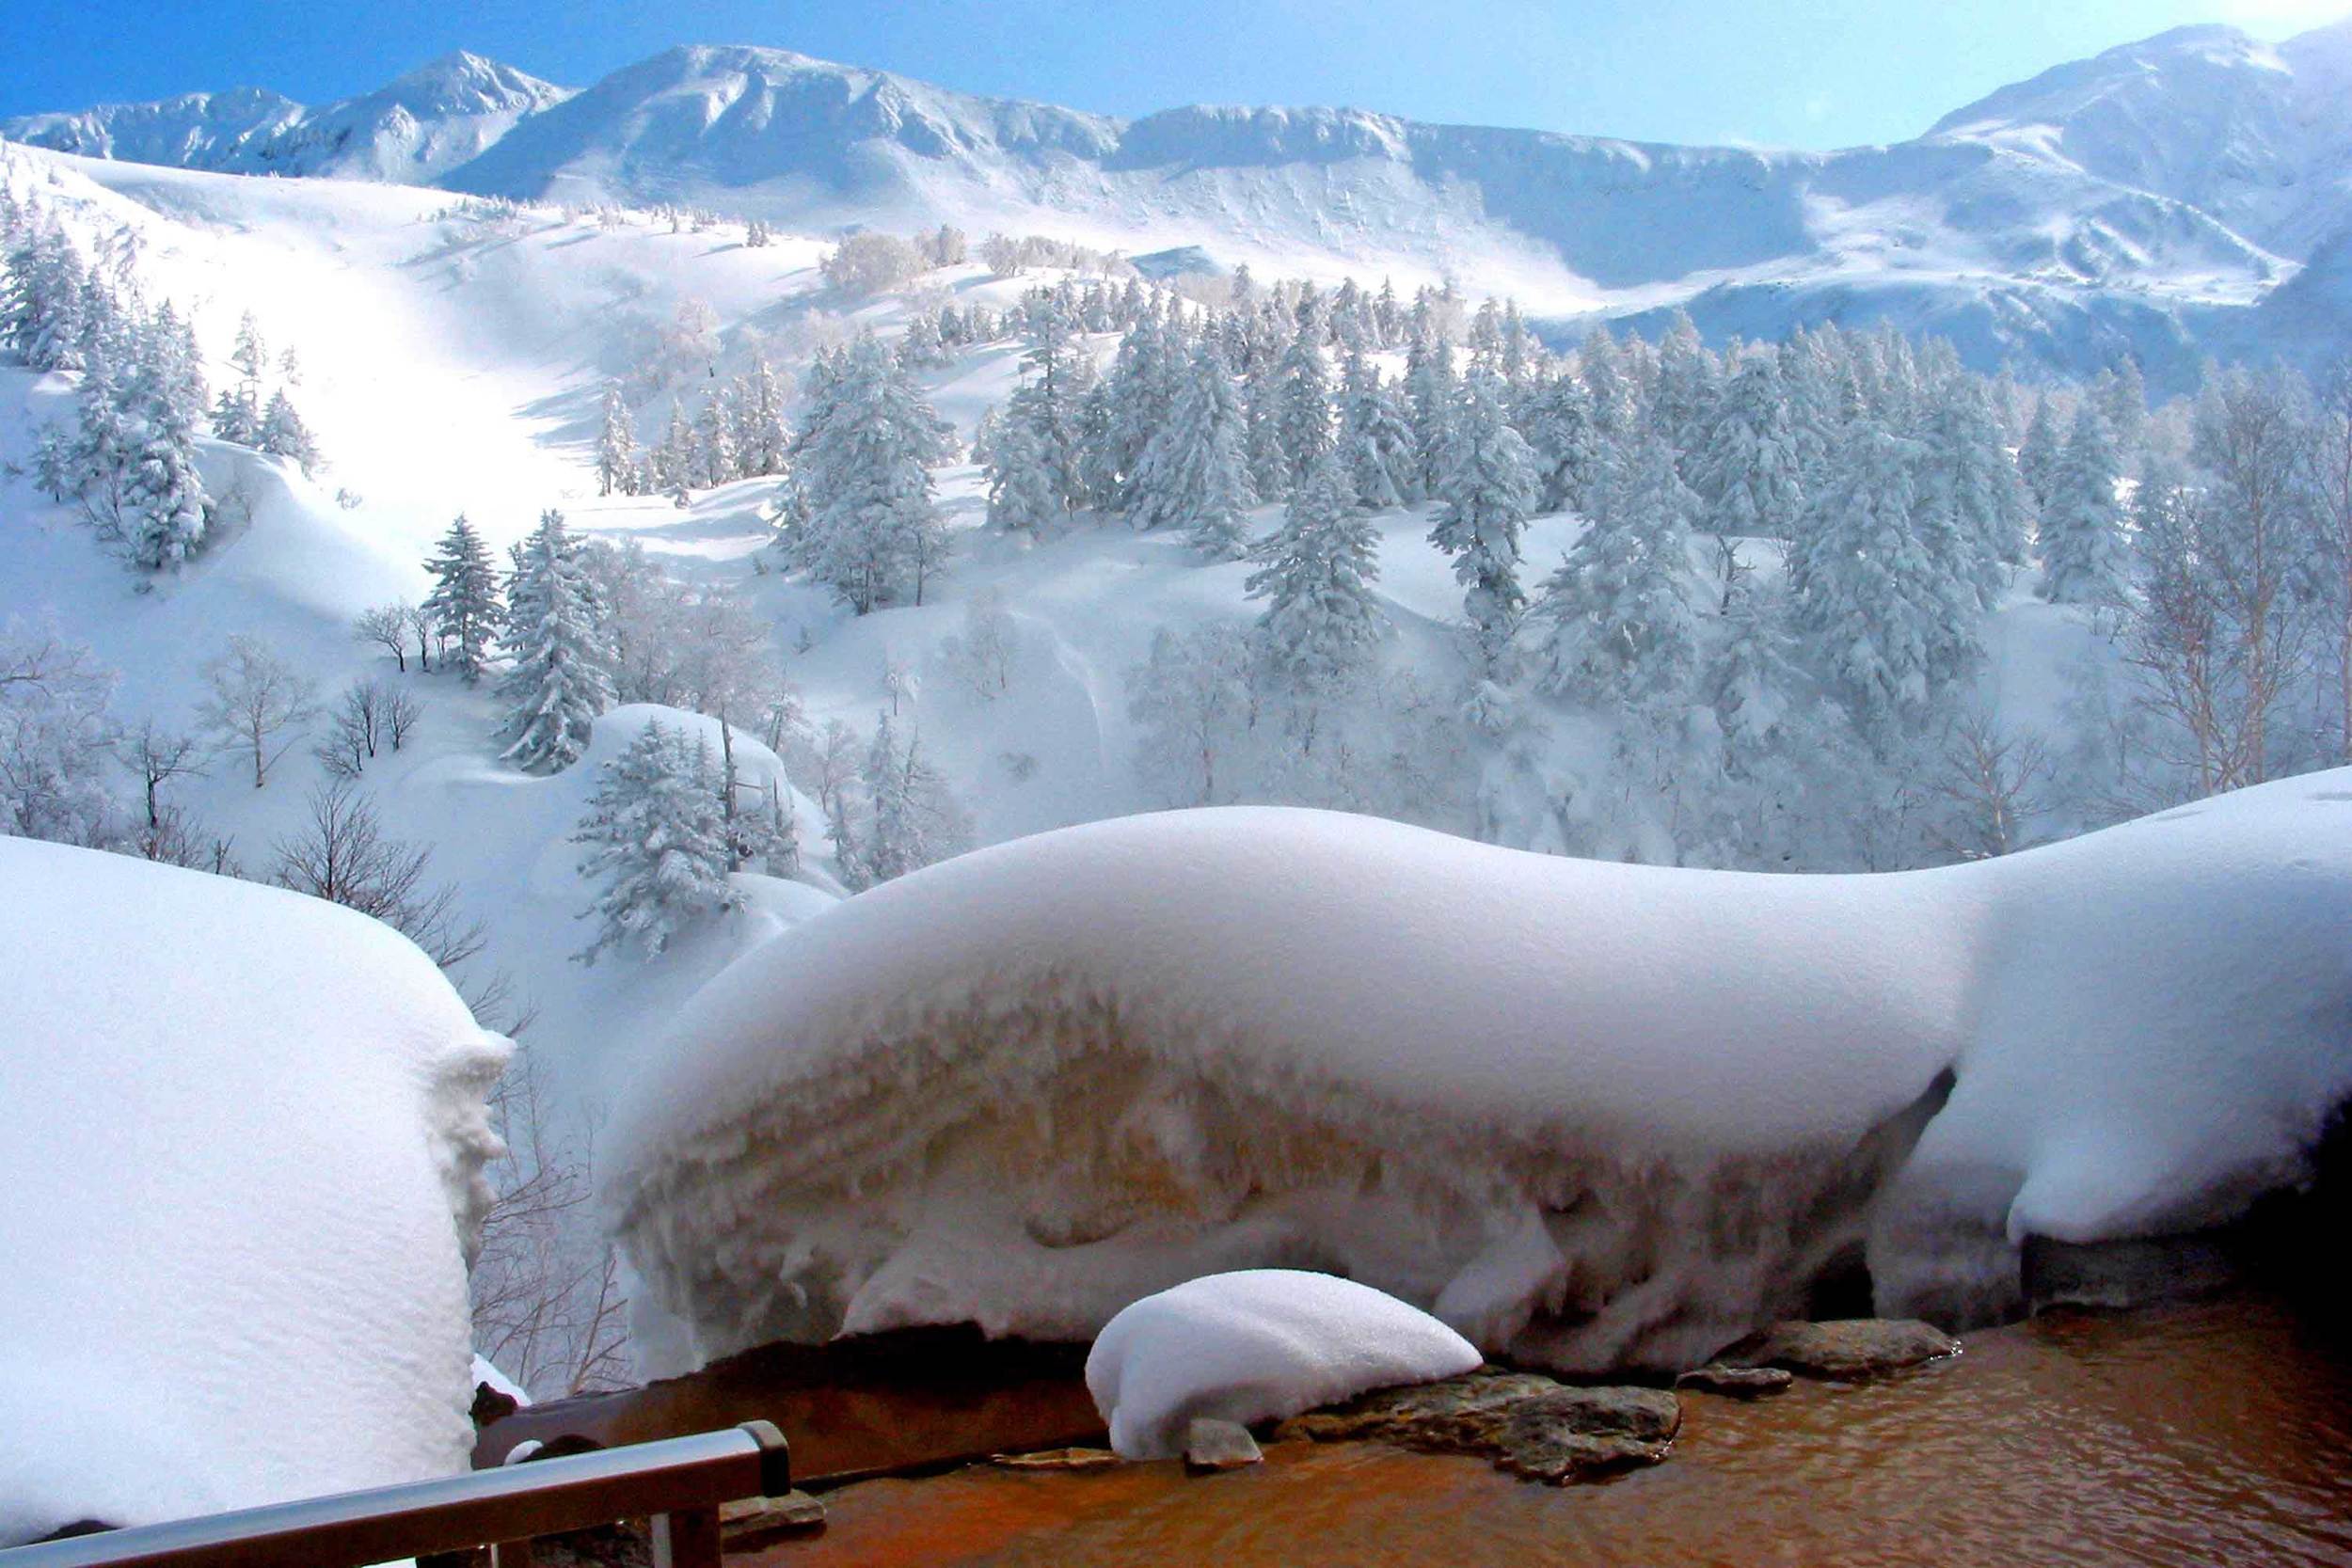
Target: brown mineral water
x=2218, y=1433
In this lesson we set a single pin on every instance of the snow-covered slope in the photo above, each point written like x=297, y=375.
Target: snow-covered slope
x=2259, y=137
x=2138, y=201
x=241, y=1138
x=1591, y=1114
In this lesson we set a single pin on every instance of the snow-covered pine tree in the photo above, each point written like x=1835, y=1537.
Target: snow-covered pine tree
x=1556, y=418
x=463, y=608
x=919, y=347
x=165, y=508
x=913, y=820
x=284, y=434
x=2084, y=560
x=1056, y=375
x=250, y=355
x=675, y=469
x=1376, y=438
x=1779, y=741
x=1617, y=625
x=1485, y=490
x=98, y=455
x=617, y=448
x=2123, y=403
x=555, y=637
x=1322, y=623
x=1684, y=403
x=237, y=415
x=2038, y=452
x=1973, y=504
x=874, y=535
x=1889, y=627
x=1748, y=470
x=179, y=364
x=1190, y=476
x=40, y=313
x=1608, y=389
x=1138, y=397
x=761, y=439
x=1021, y=493
x=1264, y=461
x=1303, y=405
x=656, y=842
x=1429, y=384
x=715, y=457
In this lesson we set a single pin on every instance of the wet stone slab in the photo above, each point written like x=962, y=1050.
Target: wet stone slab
x=1523, y=1422
x=1846, y=1350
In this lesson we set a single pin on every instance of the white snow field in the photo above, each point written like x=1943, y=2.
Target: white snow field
x=1591, y=1114
x=1256, y=1345
x=242, y=1138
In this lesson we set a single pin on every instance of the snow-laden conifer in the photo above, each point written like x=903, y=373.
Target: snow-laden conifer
x=555, y=637
x=657, y=843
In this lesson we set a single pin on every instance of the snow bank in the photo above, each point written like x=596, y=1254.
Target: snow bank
x=1257, y=1346
x=1593, y=1114
x=1559, y=1102
x=241, y=1135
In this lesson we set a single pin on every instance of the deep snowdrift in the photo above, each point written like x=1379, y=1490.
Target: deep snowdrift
x=241, y=1139
x=1254, y=1346
x=1590, y=1114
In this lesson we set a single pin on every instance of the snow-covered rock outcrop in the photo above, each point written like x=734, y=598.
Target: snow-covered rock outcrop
x=242, y=1135
x=1254, y=1346
x=1592, y=1115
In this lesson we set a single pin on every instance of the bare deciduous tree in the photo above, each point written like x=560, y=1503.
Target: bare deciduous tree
x=2333, y=486
x=356, y=727
x=1991, y=785
x=547, y=1302
x=259, y=706
x=401, y=715
x=387, y=625
x=340, y=854
x=158, y=756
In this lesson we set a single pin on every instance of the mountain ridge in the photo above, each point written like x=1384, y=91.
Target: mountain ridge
x=2139, y=201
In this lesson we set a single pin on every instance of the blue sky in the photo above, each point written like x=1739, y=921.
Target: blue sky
x=1805, y=74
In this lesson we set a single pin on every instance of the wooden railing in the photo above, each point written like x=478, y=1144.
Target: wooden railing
x=679, y=1484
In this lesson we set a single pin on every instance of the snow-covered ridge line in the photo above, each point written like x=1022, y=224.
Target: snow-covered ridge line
x=1590, y=1114
x=2146, y=198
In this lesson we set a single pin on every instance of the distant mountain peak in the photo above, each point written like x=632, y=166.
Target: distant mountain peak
x=462, y=82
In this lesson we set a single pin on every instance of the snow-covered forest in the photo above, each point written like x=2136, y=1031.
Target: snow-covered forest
x=798, y=564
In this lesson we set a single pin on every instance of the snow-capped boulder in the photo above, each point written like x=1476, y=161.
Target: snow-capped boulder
x=242, y=1134
x=1256, y=1346
x=1591, y=1114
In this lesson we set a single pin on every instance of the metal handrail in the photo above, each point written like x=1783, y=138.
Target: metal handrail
x=678, y=1483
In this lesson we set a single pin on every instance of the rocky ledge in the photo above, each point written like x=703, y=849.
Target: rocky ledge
x=1844, y=1350
x=1525, y=1423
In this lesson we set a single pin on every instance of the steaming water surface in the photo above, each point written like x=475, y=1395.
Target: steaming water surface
x=2213, y=1433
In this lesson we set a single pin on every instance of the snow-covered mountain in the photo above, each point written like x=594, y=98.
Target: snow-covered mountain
x=2259, y=137
x=412, y=130
x=2138, y=202
x=1997, y=228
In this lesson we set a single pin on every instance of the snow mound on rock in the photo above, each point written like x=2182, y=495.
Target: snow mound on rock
x=242, y=1135
x=1592, y=1115
x=1256, y=1345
